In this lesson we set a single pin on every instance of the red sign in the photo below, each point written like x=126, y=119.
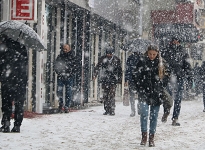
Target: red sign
x=184, y=13
x=22, y=9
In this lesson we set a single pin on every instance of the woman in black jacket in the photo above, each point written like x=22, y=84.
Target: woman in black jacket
x=151, y=78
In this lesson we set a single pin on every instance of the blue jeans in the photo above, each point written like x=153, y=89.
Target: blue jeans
x=144, y=112
x=132, y=99
x=68, y=91
x=204, y=94
x=177, y=94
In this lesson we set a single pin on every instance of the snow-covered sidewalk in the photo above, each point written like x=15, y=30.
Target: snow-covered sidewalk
x=88, y=129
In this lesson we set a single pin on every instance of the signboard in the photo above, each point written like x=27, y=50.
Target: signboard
x=185, y=32
x=23, y=10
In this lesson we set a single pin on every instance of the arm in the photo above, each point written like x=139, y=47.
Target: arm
x=97, y=68
x=119, y=72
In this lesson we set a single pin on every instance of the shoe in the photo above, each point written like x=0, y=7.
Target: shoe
x=66, y=109
x=132, y=114
x=6, y=129
x=175, y=122
x=164, y=117
x=105, y=113
x=16, y=129
x=1, y=129
x=112, y=113
x=60, y=109
x=144, y=139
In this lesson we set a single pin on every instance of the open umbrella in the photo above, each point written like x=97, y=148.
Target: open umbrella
x=139, y=45
x=22, y=33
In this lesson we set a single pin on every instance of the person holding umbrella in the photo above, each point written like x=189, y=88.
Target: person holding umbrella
x=132, y=60
x=13, y=79
x=180, y=67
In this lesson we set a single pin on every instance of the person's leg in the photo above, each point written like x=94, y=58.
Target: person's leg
x=105, y=99
x=20, y=97
x=204, y=96
x=69, y=93
x=167, y=104
x=177, y=102
x=132, y=102
x=111, y=98
x=154, y=110
x=6, y=106
x=60, y=93
x=144, y=110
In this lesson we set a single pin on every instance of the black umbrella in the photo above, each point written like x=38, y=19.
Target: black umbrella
x=22, y=33
x=139, y=45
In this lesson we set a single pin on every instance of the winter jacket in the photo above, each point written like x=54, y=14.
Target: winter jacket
x=14, y=64
x=177, y=59
x=65, y=65
x=111, y=70
x=149, y=86
x=132, y=60
x=202, y=72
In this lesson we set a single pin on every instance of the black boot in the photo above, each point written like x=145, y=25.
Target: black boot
x=6, y=127
x=16, y=129
x=2, y=128
x=105, y=113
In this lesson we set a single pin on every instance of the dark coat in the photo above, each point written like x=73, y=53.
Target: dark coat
x=132, y=60
x=14, y=64
x=177, y=59
x=65, y=65
x=111, y=70
x=149, y=86
x=202, y=72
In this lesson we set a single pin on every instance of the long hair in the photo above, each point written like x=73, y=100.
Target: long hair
x=161, y=66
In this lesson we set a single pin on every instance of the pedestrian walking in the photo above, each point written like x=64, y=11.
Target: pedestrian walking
x=14, y=63
x=65, y=67
x=202, y=73
x=111, y=75
x=151, y=78
x=177, y=59
x=132, y=60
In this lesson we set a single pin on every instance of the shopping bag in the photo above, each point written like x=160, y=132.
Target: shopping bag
x=126, y=97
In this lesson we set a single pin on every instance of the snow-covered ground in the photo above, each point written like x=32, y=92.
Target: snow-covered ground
x=88, y=129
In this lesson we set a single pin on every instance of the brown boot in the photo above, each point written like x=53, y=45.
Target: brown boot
x=144, y=138
x=164, y=117
x=151, y=140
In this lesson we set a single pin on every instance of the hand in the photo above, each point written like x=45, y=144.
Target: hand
x=94, y=78
x=126, y=84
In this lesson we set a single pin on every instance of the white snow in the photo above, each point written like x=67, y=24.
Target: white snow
x=88, y=129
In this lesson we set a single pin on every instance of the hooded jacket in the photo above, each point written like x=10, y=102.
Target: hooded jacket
x=65, y=65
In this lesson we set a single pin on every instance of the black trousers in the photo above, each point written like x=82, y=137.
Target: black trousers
x=10, y=93
x=109, y=96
